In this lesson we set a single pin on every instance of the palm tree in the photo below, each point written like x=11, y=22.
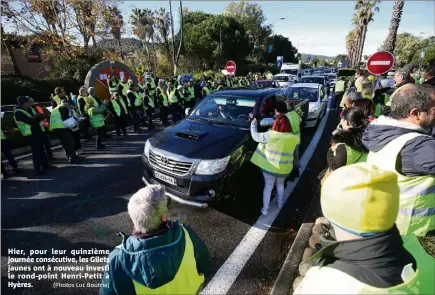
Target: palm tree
x=390, y=44
x=142, y=21
x=114, y=23
x=367, y=10
x=350, y=45
x=163, y=23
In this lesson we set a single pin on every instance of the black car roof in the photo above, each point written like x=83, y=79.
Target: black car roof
x=247, y=92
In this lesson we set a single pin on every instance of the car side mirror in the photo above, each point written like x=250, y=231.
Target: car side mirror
x=267, y=122
x=187, y=111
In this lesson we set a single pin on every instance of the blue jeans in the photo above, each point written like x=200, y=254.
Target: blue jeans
x=269, y=182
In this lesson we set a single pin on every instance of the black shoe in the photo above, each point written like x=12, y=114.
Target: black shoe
x=17, y=170
x=101, y=147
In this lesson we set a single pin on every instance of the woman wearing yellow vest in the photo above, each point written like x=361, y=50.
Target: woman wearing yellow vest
x=347, y=147
x=119, y=110
x=361, y=203
x=96, y=119
x=274, y=156
x=159, y=256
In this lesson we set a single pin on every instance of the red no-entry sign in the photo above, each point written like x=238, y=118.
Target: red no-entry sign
x=230, y=67
x=380, y=62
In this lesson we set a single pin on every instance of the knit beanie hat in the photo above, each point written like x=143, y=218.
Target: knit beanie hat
x=361, y=199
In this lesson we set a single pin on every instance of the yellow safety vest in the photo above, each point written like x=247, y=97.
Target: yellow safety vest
x=150, y=102
x=150, y=88
x=417, y=193
x=113, y=86
x=117, y=104
x=164, y=97
x=96, y=120
x=340, y=85
x=172, y=97
x=125, y=88
x=327, y=280
x=276, y=156
x=153, y=84
x=191, y=93
x=26, y=129
x=186, y=280
x=138, y=99
x=57, y=99
x=56, y=121
x=206, y=90
x=295, y=122
x=94, y=100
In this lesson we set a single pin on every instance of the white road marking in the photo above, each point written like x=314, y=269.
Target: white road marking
x=230, y=270
x=380, y=63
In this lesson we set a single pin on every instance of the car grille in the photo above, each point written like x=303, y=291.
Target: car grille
x=169, y=165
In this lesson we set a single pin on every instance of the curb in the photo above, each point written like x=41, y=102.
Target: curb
x=289, y=269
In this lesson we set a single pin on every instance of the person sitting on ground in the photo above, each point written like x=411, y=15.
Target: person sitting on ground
x=274, y=156
x=160, y=256
x=401, y=144
x=347, y=147
x=361, y=203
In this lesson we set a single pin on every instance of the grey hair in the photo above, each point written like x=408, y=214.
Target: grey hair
x=146, y=208
x=82, y=90
x=367, y=89
x=409, y=97
x=406, y=75
x=91, y=91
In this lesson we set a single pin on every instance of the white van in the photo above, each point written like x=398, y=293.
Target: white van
x=292, y=69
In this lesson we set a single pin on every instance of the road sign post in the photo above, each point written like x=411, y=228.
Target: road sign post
x=380, y=62
x=230, y=67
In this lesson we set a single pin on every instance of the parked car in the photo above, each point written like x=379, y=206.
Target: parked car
x=264, y=84
x=284, y=80
x=318, y=100
x=197, y=160
x=315, y=79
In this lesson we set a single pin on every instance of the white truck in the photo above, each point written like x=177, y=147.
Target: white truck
x=293, y=69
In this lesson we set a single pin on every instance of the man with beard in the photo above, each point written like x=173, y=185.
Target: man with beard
x=400, y=143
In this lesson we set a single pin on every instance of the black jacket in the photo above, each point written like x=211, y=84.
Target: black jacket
x=377, y=261
x=32, y=121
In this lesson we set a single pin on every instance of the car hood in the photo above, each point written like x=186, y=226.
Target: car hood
x=197, y=140
x=313, y=105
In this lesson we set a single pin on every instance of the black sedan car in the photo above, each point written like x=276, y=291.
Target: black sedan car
x=197, y=158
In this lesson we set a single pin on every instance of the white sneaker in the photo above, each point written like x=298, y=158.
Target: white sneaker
x=279, y=205
x=264, y=211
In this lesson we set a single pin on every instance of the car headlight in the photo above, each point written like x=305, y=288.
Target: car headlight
x=313, y=113
x=210, y=167
x=146, y=150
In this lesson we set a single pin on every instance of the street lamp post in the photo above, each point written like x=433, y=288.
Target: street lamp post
x=273, y=25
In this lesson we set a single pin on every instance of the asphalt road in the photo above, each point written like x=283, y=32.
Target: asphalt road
x=84, y=206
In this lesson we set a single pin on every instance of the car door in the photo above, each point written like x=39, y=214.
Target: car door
x=323, y=97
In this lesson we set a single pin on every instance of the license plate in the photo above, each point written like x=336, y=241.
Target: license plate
x=165, y=178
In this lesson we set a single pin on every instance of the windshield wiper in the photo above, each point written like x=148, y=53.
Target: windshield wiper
x=199, y=119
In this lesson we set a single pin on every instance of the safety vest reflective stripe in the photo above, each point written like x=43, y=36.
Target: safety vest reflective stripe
x=354, y=156
x=3, y=135
x=96, y=120
x=56, y=121
x=57, y=99
x=165, y=98
x=340, y=86
x=172, y=96
x=24, y=128
x=276, y=156
x=191, y=93
x=417, y=193
x=94, y=100
x=153, y=84
x=186, y=280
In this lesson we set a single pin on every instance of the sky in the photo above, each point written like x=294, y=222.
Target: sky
x=318, y=27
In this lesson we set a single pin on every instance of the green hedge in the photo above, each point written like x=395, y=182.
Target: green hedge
x=13, y=86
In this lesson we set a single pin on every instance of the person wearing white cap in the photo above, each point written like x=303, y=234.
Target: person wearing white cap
x=361, y=203
x=160, y=256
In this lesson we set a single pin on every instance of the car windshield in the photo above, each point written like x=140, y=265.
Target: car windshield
x=291, y=72
x=332, y=76
x=228, y=110
x=281, y=78
x=312, y=94
x=262, y=84
x=316, y=80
